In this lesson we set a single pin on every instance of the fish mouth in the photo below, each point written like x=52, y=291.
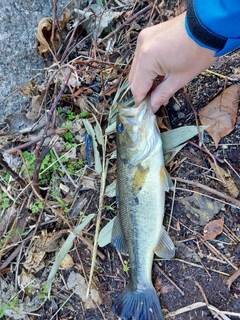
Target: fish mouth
x=140, y=116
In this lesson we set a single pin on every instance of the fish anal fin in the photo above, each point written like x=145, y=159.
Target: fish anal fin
x=118, y=238
x=139, y=178
x=165, y=180
x=165, y=247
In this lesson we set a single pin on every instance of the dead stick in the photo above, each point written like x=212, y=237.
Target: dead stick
x=206, y=151
x=29, y=143
x=14, y=175
x=208, y=189
x=170, y=280
x=127, y=22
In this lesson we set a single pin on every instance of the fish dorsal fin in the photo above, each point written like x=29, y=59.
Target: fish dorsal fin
x=118, y=238
x=165, y=179
x=165, y=247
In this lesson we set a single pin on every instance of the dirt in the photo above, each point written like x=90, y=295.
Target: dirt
x=200, y=270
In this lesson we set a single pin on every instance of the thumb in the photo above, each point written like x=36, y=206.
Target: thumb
x=164, y=91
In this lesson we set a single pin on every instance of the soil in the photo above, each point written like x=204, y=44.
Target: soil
x=200, y=270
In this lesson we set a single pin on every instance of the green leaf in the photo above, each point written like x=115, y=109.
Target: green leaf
x=98, y=131
x=170, y=154
x=65, y=249
x=175, y=137
x=110, y=190
x=105, y=234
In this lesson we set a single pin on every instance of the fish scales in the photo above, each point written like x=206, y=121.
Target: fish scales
x=140, y=214
x=141, y=184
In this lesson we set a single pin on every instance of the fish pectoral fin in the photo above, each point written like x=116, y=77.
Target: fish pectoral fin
x=165, y=179
x=118, y=238
x=165, y=247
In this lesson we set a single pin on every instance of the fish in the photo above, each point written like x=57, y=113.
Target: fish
x=142, y=181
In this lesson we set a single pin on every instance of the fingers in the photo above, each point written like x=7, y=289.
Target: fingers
x=141, y=80
x=142, y=73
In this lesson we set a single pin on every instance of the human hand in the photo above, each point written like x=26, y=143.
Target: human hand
x=166, y=50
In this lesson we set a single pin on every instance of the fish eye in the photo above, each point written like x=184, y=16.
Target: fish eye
x=120, y=127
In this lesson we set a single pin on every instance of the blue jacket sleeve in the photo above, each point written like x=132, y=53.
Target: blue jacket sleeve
x=214, y=24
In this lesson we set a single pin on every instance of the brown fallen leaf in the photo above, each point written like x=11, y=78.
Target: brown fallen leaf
x=233, y=277
x=44, y=32
x=67, y=262
x=220, y=114
x=213, y=229
x=226, y=179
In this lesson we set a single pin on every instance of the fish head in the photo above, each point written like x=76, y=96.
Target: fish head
x=137, y=132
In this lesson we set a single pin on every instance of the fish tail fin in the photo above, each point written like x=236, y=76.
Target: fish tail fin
x=140, y=304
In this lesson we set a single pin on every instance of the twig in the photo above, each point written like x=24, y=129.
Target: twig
x=206, y=195
x=102, y=190
x=30, y=143
x=198, y=266
x=191, y=307
x=13, y=174
x=64, y=169
x=127, y=22
x=170, y=280
x=205, y=150
x=214, y=313
x=208, y=189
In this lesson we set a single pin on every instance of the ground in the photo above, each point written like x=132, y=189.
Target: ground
x=39, y=210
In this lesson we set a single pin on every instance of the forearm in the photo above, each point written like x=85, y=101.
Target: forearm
x=214, y=24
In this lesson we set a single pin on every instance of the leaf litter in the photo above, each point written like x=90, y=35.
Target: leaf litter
x=46, y=178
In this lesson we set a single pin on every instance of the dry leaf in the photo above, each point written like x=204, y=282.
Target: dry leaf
x=220, y=114
x=67, y=262
x=233, y=277
x=43, y=35
x=76, y=282
x=200, y=209
x=226, y=179
x=213, y=229
x=25, y=282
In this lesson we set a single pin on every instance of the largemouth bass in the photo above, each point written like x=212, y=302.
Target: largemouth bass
x=142, y=181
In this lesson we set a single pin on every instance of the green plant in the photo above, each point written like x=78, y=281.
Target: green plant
x=71, y=115
x=43, y=294
x=125, y=267
x=109, y=208
x=5, y=201
x=36, y=206
x=30, y=160
x=9, y=305
x=84, y=114
x=3, y=308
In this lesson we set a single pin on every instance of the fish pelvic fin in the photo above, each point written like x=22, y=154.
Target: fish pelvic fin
x=165, y=179
x=165, y=247
x=141, y=304
x=113, y=233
